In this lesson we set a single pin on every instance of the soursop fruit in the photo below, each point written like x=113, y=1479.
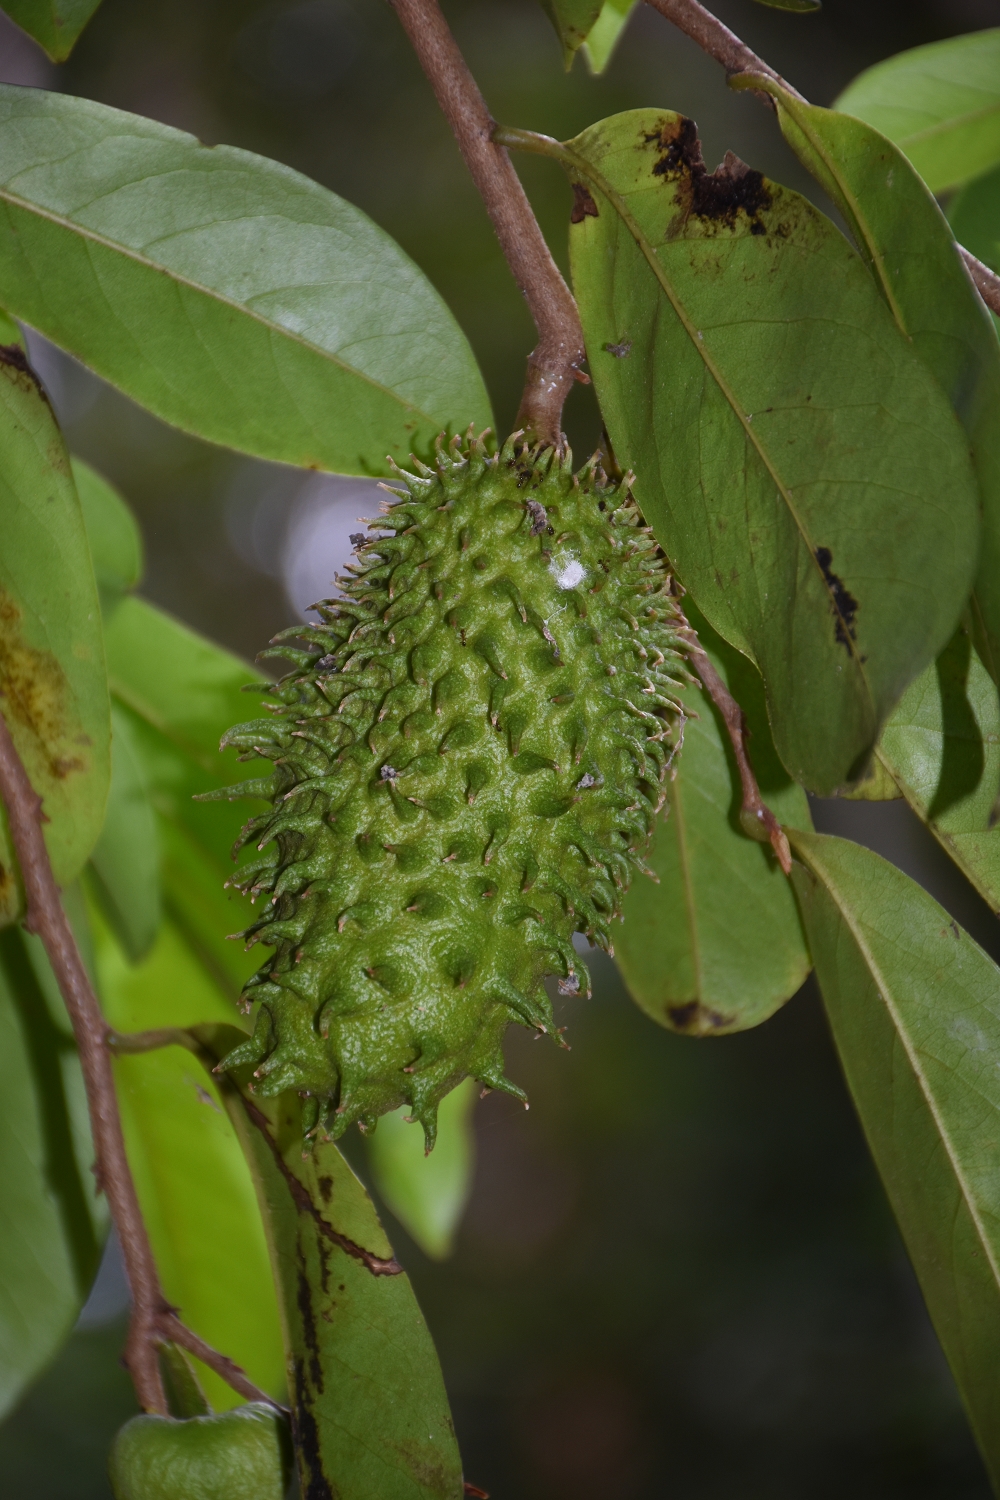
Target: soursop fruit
x=469, y=753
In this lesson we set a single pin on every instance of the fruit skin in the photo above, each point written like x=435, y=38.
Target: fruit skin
x=469, y=756
x=243, y=1454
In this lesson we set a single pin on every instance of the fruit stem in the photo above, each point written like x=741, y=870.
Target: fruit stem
x=725, y=47
x=554, y=362
x=154, y=1321
x=756, y=818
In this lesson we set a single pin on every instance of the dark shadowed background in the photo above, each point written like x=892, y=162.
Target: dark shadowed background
x=678, y=1276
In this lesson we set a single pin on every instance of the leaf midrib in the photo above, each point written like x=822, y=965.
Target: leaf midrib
x=952, y=122
x=64, y=222
x=884, y=993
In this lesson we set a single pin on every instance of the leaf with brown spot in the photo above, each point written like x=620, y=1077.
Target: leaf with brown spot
x=791, y=448
x=53, y=685
x=370, y=1413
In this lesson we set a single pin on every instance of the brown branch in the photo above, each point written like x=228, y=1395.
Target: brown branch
x=718, y=42
x=715, y=39
x=756, y=817
x=556, y=358
x=987, y=282
x=153, y=1321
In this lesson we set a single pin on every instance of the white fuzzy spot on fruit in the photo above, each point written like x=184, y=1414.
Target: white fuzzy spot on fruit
x=567, y=571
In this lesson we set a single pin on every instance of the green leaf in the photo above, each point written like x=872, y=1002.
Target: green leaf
x=160, y=263
x=939, y=103
x=942, y=749
x=369, y=1409
x=802, y=6
x=603, y=36
x=910, y=251
x=52, y=676
x=194, y=1186
x=427, y=1193
x=11, y=335
x=791, y=447
x=53, y=1225
x=125, y=865
x=174, y=695
x=112, y=532
x=914, y=1006
x=974, y=215
x=717, y=945
x=573, y=20
x=55, y=24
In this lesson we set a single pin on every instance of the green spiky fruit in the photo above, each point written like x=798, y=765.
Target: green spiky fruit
x=468, y=758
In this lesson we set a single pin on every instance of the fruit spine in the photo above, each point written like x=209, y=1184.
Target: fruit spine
x=469, y=755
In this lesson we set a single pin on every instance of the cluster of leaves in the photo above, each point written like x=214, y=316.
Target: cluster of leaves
x=800, y=411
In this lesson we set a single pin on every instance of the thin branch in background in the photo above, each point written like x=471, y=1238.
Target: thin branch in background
x=756, y=816
x=718, y=42
x=554, y=362
x=715, y=39
x=153, y=1321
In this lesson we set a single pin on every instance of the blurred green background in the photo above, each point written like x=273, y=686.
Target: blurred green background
x=678, y=1276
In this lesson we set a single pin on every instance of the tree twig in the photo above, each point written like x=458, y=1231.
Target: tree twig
x=559, y=353
x=718, y=42
x=987, y=282
x=153, y=1321
x=757, y=818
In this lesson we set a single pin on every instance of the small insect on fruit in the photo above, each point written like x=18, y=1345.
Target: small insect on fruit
x=469, y=754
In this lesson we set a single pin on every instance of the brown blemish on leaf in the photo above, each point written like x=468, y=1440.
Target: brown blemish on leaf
x=35, y=692
x=14, y=363
x=842, y=601
x=376, y=1264
x=696, y=1019
x=718, y=196
x=584, y=206
x=308, y=1320
x=315, y=1485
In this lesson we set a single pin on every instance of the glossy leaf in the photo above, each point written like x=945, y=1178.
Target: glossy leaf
x=573, y=21
x=52, y=677
x=942, y=749
x=717, y=945
x=125, y=866
x=180, y=694
x=915, y=1009
x=11, y=335
x=603, y=36
x=974, y=215
x=369, y=1410
x=195, y=1189
x=939, y=103
x=911, y=253
x=55, y=24
x=791, y=448
x=427, y=1193
x=160, y=263
x=112, y=532
x=53, y=1224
